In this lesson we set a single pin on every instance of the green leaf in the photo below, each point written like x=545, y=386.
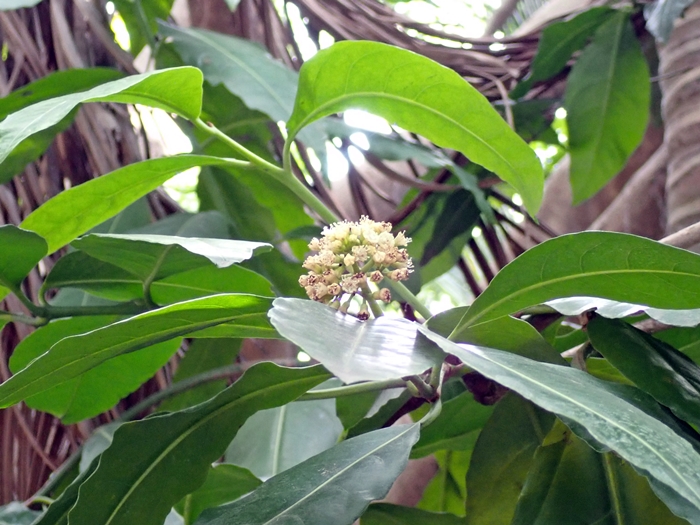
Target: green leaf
x=457, y=218
x=601, y=264
x=159, y=256
x=99, y=441
x=661, y=15
x=569, y=478
x=57, y=513
x=607, y=103
x=352, y=409
x=169, y=455
x=177, y=90
x=224, y=484
x=27, y=250
x=421, y=96
x=447, y=491
x=78, y=270
x=76, y=355
x=346, y=345
x=383, y=416
x=202, y=356
x=385, y=513
x=687, y=340
x=650, y=446
x=246, y=69
x=140, y=20
x=504, y=333
x=277, y=439
x=459, y=418
x=95, y=201
x=349, y=476
x=502, y=458
x=666, y=374
x=15, y=513
x=558, y=42
x=98, y=389
x=53, y=85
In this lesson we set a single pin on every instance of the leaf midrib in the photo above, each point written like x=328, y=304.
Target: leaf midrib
x=471, y=322
x=339, y=473
x=319, y=112
x=197, y=425
x=556, y=393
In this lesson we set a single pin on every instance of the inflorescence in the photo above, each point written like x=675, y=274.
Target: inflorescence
x=351, y=254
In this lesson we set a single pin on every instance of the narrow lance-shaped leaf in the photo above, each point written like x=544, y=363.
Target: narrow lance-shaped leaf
x=75, y=355
x=354, y=350
x=671, y=377
x=95, y=201
x=177, y=90
x=595, y=410
x=601, y=264
x=421, y=96
x=169, y=455
x=159, y=256
x=333, y=487
x=607, y=103
x=26, y=250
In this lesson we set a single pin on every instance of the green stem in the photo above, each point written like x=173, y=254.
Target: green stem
x=258, y=161
x=24, y=319
x=130, y=308
x=39, y=499
x=411, y=299
x=370, y=386
x=283, y=175
x=424, y=389
x=181, y=386
x=367, y=295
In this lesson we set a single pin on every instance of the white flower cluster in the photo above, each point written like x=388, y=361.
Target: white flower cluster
x=349, y=254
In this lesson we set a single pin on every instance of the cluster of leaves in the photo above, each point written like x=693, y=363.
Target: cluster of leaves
x=609, y=440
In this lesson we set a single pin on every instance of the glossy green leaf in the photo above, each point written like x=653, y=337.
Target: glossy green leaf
x=98, y=389
x=78, y=270
x=159, y=256
x=502, y=458
x=95, y=201
x=386, y=513
x=601, y=264
x=203, y=355
x=661, y=15
x=57, y=513
x=459, y=417
x=277, y=439
x=607, y=103
x=354, y=350
x=558, y=42
x=224, y=483
x=611, y=421
x=15, y=513
x=169, y=455
x=505, y=333
x=669, y=376
x=176, y=90
x=352, y=409
x=52, y=85
x=76, y=355
x=333, y=487
x=27, y=250
x=421, y=96
x=687, y=340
